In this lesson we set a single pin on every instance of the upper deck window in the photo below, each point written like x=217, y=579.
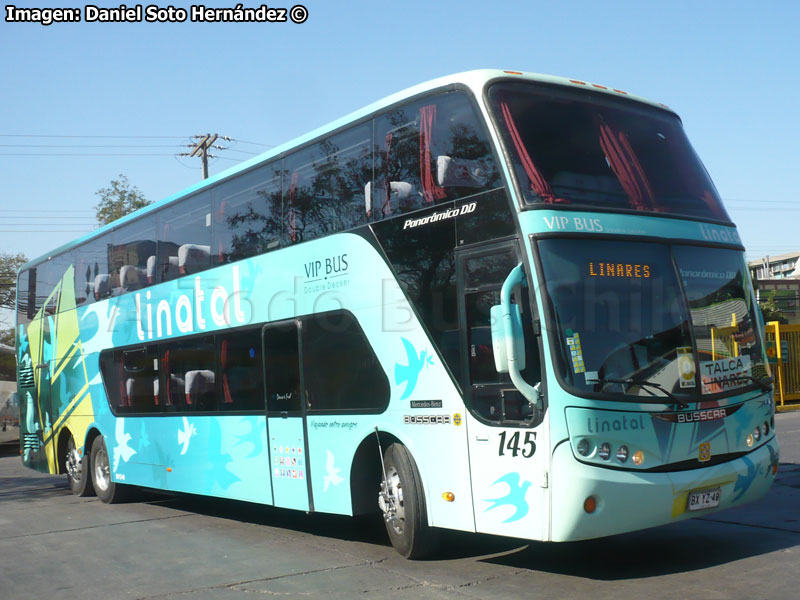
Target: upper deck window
x=579, y=149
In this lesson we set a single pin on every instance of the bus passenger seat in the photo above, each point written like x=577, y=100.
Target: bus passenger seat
x=151, y=270
x=198, y=383
x=102, y=287
x=460, y=172
x=170, y=269
x=131, y=278
x=403, y=198
x=155, y=391
x=137, y=393
x=193, y=258
x=175, y=388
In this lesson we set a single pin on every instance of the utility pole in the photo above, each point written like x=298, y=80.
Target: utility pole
x=202, y=146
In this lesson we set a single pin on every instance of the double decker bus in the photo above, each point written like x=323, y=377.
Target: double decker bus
x=495, y=302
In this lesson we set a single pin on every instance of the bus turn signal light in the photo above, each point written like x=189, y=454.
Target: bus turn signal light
x=449, y=496
x=590, y=505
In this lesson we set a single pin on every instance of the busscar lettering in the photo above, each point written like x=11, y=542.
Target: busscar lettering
x=705, y=415
x=426, y=419
x=43, y=16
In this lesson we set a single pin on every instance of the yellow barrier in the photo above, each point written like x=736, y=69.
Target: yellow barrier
x=786, y=371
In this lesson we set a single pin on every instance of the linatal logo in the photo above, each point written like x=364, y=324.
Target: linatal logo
x=409, y=373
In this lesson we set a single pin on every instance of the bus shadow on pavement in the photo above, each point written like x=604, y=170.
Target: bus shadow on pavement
x=686, y=546
x=365, y=529
x=691, y=545
x=670, y=549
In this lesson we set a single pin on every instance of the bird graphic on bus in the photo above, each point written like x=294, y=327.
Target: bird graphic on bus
x=185, y=435
x=409, y=373
x=515, y=496
x=743, y=482
x=332, y=473
x=122, y=449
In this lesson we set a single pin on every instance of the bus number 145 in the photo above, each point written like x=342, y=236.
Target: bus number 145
x=513, y=445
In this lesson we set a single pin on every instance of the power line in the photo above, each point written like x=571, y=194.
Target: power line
x=87, y=146
x=119, y=137
x=253, y=143
x=77, y=154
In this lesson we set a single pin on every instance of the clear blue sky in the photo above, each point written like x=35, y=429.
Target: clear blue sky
x=730, y=69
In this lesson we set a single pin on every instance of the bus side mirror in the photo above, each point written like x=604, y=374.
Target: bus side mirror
x=500, y=344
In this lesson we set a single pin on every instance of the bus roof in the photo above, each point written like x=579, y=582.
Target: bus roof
x=475, y=80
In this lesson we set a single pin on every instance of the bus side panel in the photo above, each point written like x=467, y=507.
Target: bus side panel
x=214, y=456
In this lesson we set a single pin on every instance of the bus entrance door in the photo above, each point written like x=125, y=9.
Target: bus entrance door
x=288, y=450
x=507, y=464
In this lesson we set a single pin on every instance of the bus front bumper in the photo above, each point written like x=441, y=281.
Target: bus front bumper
x=629, y=500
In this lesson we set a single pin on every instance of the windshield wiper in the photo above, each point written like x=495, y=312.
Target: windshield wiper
x=765, y=384
x=644, y=385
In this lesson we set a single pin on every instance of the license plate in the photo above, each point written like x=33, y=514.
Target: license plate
x=704, y=499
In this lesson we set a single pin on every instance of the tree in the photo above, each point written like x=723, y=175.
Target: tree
x=771, y=310
x=117, y=200
x=9, y=264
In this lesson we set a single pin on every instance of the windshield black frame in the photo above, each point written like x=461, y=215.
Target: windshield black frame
x=614, y=389
x=706, y=206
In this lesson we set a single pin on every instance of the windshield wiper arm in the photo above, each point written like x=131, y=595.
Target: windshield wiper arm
x=765, y=384
x=644, y=385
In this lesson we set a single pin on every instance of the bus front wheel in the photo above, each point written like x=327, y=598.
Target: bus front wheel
x=79, y=476
x=402, y=501
x=105, y=488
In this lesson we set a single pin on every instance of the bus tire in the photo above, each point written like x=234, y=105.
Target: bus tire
x=104, y=486
x=79, y=476
x=408, y=527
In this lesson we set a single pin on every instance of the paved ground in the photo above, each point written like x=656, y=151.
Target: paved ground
x=54, y=544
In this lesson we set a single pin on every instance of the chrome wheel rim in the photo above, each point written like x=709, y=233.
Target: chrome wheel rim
x=73, y=461
x=396, y=490
x=102, y=472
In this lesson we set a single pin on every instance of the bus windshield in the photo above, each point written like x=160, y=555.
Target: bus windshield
x=580, y=149
x=623, y=324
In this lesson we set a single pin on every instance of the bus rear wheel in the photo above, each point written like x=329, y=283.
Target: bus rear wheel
x=79, y=476
x=402, y=501
x=105, y=488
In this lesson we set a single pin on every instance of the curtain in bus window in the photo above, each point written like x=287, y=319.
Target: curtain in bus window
x=626, y=166
x=427, y=118
x=538, y=183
